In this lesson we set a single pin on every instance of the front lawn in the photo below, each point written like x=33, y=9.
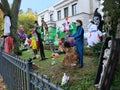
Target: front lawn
x=80, y=78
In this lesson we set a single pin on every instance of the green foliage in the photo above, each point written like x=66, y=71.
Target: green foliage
x=113, y=8
x=27, y=19
x=116, y=80
x=80, y=79
x=97, y=48
x=1, y=22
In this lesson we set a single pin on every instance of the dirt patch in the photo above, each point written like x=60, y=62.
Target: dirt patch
x=2, y=86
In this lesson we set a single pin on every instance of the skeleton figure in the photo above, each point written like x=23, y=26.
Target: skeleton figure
x=109, y=44
x=105, y=62
x=97, y=19
x=107, y=51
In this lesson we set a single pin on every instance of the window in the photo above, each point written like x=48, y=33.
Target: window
x=51, y=17
x=59, y=14
x=42, y=16
x=74, y=9
x=65, y=12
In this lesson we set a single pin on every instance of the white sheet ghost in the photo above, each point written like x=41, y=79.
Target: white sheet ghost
x=7, y=25
x=94, y=34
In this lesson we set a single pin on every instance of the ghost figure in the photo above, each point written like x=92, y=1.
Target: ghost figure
x=7, y=25
x=65, y=79
x=93, y=37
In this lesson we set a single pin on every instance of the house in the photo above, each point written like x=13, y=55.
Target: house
x=73, y=9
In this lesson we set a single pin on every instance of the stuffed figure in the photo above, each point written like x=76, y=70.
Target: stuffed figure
x=60, y=48
x=34, y=45
x=70, y=57
x=8, y=46
x=66, y=24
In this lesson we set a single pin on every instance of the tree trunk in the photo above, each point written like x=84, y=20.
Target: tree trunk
x=14, y=19
x=118, y=35
x=13, y=12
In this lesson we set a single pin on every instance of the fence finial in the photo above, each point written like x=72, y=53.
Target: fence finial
x=29, y=60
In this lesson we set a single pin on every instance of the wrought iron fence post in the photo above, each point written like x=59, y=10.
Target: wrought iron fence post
x=29, y=69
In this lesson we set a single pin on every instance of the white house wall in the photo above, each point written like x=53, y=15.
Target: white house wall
x=83, y=6
x=44, y=15
x=84, y=17
x=85, y=10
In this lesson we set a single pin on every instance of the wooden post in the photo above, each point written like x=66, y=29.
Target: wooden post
x=118, y=29
x=118, y=36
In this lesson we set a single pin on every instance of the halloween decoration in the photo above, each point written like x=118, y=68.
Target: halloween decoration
x=65, y=79
x=97, y=19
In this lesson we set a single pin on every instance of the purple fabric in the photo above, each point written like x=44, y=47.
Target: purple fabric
x=72, y=43
x=23, y=36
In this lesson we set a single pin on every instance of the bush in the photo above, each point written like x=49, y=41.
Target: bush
x=96, y=49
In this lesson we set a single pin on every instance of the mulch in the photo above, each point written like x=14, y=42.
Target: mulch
x=2, y=86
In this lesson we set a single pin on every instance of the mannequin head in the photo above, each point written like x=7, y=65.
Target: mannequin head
x=79, y=22
x=21, y=29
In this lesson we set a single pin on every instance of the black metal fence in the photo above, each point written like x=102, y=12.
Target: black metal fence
x=18, y=75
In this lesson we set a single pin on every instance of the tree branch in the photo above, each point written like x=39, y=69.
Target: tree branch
x=16, y=6
x=6, y=7
x=14, y=14
x=1, y=7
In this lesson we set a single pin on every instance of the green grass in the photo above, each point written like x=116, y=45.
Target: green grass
x=116, y=79
x=80, y=78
